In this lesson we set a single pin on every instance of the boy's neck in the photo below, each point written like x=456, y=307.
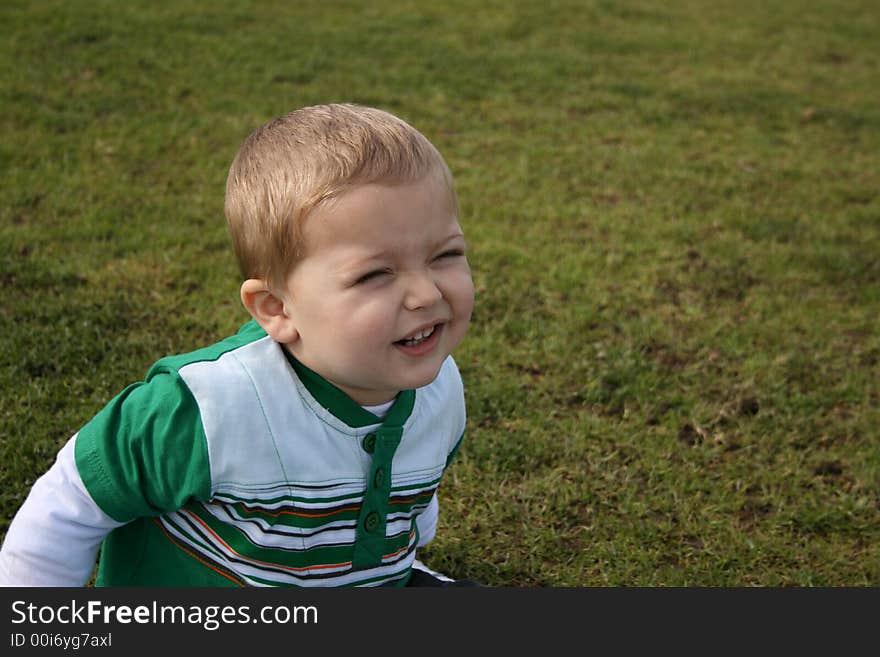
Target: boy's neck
x=342, y=405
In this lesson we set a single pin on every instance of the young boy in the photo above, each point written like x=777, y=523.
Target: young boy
x=307, y=449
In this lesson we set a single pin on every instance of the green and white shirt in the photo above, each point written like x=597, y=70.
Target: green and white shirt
x=236, y=465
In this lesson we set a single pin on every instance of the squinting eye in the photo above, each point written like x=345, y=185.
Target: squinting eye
x=371, y=275
x=452, y=253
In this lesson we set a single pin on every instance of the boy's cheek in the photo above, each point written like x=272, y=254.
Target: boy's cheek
x=466, y=309
x=470, y=290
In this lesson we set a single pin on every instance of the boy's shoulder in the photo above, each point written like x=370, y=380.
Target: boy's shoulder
x=247, y=334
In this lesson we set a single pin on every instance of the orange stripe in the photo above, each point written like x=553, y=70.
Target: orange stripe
x=196, y=556
x=265, y=563
x=240, y=582
x=410, y=499
x=403, y=549
x=294, y=513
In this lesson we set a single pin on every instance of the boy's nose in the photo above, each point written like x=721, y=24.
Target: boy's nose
x=421, y=292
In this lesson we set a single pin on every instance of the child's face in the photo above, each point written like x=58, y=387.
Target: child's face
x=384, y=293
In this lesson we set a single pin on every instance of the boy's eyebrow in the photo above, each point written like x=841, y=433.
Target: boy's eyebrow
x=459, y=234
x=385, y=253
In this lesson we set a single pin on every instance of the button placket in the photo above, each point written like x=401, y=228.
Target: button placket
x=371, y=522
x=370, y=540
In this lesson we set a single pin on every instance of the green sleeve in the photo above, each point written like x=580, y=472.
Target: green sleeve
x=145, y=453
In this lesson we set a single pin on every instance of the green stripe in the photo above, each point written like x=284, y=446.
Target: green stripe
x=239, y=543
x=312, y=521
x=250, y=332
x=146, y=556
x=266, y=501
x=301, y=519
x=433, y=483
x=311, y=557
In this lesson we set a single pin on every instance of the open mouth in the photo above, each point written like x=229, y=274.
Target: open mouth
x=418, y=338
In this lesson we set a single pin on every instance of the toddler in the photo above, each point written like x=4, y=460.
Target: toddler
x=306, y=450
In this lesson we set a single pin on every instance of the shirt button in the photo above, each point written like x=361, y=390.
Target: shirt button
x=379, y=478
x=371, y=522
x=369, y=443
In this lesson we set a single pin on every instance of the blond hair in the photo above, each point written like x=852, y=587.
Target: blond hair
x=293, y=164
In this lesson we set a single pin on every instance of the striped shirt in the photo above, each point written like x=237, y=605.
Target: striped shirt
x=236, y=465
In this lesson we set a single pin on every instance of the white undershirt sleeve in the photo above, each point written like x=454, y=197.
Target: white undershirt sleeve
x=54, y=538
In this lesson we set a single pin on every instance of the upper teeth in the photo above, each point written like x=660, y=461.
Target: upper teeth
x=419, y=337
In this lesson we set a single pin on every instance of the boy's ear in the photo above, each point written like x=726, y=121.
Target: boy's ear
x=268, y=310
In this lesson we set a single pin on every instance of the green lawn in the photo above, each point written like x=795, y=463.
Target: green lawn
x=674, y=227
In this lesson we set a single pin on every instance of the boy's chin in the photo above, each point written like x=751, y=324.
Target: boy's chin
x=422, y=381
x=409, y=379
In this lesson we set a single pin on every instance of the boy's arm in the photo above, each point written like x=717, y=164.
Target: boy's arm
x=427, y=519
x=427, y=522
x=54, y=537
x=143, y=454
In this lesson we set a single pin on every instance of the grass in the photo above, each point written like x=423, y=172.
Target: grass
x=674, y=223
